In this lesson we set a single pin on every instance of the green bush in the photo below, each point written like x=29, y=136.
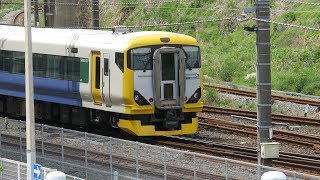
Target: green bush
x=228, y=70
x=290, y=17
x=211, y=96
x=1, y=168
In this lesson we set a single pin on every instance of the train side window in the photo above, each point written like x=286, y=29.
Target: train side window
x=39, y=65
x=7, y=62
x=106, y=67
x=44, y=65
x=73, y=68
x=53, y=67
x=1, y=61
x=97, y=83
x=120, y=60
x=18, y=62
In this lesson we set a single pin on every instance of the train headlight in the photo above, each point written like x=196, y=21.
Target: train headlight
x=195, y=97
x=139, y=99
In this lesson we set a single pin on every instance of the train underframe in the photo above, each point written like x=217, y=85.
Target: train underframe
x=163, y=122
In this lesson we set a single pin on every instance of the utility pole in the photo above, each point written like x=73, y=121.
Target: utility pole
x=49, y=10
x=264, y=126
x=36, y=13
x=30, y=134
x=95, y=14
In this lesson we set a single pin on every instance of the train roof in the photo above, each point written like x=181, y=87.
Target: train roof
x=93, y=39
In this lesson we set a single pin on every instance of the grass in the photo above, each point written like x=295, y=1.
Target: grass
x=212, y=97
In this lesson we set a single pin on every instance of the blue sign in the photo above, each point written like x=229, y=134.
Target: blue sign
x=37, y=171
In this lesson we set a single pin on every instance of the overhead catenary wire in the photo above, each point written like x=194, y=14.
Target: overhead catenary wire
x=103, y=4
x=286, y=24
x=162, y=24
x=181, y=23
x=194, y=22
x=219, y=8
x=301, y=2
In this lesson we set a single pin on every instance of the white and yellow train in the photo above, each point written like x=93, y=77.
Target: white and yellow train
x=147, y=83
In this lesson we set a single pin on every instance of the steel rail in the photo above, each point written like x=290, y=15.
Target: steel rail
x=248, y=93
x=253, y=114
x=299, y=162
x=305, y=140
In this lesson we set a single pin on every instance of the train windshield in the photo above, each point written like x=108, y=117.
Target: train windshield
x=193, y=56
x=141, y=58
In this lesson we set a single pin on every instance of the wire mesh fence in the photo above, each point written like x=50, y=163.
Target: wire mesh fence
x=15, y=170
x=90, y=156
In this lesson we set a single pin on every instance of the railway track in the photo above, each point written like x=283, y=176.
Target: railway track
x=293, y=138
x=75, y=155
x=297, y=162
x=102, y=160
x=292, y=161
x=253, y=114
x=253, y=94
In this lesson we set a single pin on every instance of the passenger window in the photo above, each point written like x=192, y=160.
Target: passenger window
x=6, y=62
x=53, y=67
x=39, y=65
x=18, y=62
x=73, y=68
x=44, y=65
x=119, y=60
x=106, y=67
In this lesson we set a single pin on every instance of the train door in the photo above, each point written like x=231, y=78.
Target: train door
x=169, y=77
x=96, y=80
x=106, y=79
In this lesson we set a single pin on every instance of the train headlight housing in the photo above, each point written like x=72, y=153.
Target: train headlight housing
x=195, y=96
x=139, y=99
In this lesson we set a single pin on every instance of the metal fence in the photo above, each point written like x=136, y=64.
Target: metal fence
x=18, y=170
x=99, y=157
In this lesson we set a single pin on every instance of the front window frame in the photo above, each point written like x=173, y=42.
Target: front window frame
x=131, y=63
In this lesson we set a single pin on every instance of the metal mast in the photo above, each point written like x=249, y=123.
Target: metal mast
x=264, y=126
x=95, y=14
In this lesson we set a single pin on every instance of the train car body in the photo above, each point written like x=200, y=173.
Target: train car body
x=146, y=83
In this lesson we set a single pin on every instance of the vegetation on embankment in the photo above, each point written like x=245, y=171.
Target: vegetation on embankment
x=228, y=52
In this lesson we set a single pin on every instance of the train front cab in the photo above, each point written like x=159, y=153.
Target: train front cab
x=170, y=109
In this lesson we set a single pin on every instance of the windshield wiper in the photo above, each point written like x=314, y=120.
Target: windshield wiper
x=145, y=65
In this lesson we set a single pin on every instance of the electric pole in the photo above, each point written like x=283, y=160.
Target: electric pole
x=49, y=10
x=95, y=14
x=36, y=13
x=30, y=129
x=264, y=126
